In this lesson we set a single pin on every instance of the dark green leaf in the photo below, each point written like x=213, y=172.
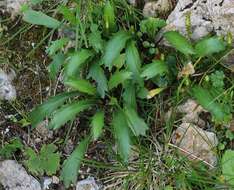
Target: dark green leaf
x=136, y=124
x=39, y=18
x=54, y=67
x=118, y=78
x=97, y=74
x=68, y=112
x=96, y=41
x=113, y=48
x=76, y=61
x=179, y=42
x=72, y=164
x=154, y=69
x=97, y=124
x=56, y=45
x=122, y=134
x=208, y=102
x=129, y=95
x=209, y=46
x=45, y=109
x=81, y=85
x=133, y=61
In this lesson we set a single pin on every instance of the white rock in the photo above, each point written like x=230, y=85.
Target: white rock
x=7, y=90
x=88, y=184
x=205, y=15
x=14, y=177
x=12, y=6
x=153, y=9
x=191, y=110
x=196, y=143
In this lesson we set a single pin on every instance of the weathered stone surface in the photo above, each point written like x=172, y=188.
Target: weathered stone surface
x=155, y=8
x=88, y=184
x=205, y=15
x=191, y=111
x=12, y=6
x=14, y=177
x=7, y=90
x=196, y=143
x=228, y=60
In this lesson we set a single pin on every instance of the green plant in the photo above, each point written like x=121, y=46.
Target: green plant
x=10, y=148
x=104, y=74
x=104, y=71
x=227, y=166
x=46, y=161
x=211, y=96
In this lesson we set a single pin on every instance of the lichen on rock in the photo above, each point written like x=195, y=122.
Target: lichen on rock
x=205, y=17
x=155, y=8
x=196, y=143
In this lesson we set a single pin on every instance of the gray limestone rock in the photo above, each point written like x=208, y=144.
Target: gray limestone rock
x=205, y=15
x=7, y=90
x=14, y=177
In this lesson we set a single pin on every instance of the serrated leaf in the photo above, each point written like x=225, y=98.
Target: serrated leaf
x=209, y=46
x=45, y=109
x=129, y=95
x=118, y=78
x=39, y=18
x=114, y=47
x=208, y=102
x=109, y=17
x=179, y=42
x=50, y=160
x=153, y=69
x=96, y=41
x=133, y=61
x=68, y=112
x=136, y=124
x=97, y=124
x=56, y=45
x=33, y=162
x=54, y=67
x=81, y=85
x=46, y=161
x=122, y=134
x=76, y=61
x=72, y=164
x=97, y=74
x=228, y=166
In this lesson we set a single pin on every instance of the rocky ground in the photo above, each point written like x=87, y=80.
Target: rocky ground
x=24, y=79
